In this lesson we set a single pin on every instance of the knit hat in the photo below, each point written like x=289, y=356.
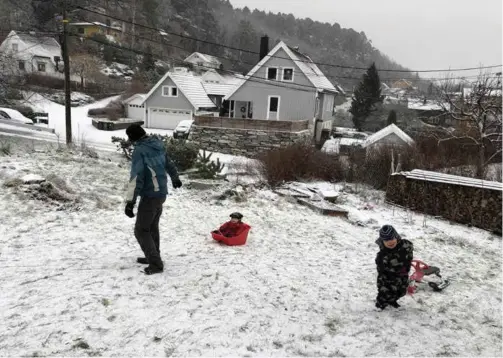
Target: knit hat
x=236, y=215
x=388, y=232
x=135, y=132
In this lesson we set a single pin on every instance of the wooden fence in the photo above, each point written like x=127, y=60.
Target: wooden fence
x=252, y=124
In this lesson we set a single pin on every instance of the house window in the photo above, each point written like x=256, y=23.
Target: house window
x=81, y=30
x=21, y=65
x=169, y=91
x=288, y=74
x=272, y=73
x=41, y=66
x=273, y=107
x=15, y=47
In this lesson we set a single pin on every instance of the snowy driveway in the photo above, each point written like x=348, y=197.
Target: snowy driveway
x=303, y=285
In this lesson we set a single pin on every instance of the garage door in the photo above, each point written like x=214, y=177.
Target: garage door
x=163, y=118
x=135, y=111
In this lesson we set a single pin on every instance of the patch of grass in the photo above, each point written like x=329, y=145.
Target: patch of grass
x=105, y=302
x=13, y=183
x=333, y=325
x=82, y=345
x=5, y=148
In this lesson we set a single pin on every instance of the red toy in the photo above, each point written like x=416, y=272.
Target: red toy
x=239, y=239
x=420, y=270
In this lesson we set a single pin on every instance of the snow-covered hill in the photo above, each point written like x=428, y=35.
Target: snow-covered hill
x=303, y=285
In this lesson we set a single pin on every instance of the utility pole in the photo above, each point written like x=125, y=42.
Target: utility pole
x=66, y=63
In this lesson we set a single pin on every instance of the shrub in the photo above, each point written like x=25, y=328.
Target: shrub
x=182, y=153
x=113, y=111
x=299, y=161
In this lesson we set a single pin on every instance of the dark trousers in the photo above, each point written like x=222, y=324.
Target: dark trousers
x=146, y=229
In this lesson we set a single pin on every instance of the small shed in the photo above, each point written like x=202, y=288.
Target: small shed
x=135, y=109
x=391, y=136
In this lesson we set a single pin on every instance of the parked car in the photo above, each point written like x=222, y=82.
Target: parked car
x=182, y=130
x=13, y=115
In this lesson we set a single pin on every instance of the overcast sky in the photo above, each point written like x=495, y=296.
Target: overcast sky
x=419, y=34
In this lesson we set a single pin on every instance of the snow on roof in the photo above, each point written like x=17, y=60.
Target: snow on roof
x=140, y=96
x=205, y=57
x=191, y=86
x=383, y=133
x=219, y=89
x=493, y=93
x=304, y=63
x=40, y=45
x=451, y=179
x=428, y=106
x=351, y=141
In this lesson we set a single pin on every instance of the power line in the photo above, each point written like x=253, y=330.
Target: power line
x=254, y=79
x=273, y=56
x=254, y=64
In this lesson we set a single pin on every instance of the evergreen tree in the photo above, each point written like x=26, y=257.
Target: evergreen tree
x=392, y=117
x=365, y=97
x=148, y=63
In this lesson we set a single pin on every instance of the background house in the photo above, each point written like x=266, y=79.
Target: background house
x=177, y=96
x=22, y=53
x=284, y=85
x=88, y=29
x=203, y=60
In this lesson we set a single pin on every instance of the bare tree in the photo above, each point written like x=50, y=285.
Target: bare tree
x=476, y=113
x=84, y=66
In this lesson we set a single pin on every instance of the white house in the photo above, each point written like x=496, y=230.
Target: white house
x=23, y=52
x=203, y=60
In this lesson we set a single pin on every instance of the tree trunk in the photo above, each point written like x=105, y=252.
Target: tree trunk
x=481, y=163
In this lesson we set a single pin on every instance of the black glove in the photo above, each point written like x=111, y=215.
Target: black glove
x=129, y=209
x=176, y=183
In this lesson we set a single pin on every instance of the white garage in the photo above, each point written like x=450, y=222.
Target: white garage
x=135, y=109
x=166, y=118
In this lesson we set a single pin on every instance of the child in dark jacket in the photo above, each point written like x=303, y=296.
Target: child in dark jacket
x=233, y=227
x=393, y=264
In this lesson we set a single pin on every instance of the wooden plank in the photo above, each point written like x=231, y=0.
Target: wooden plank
x=324, y=208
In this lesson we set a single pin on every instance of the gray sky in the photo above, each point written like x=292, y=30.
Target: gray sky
x=419, y=34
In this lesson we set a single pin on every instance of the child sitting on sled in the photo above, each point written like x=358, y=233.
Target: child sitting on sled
x=233, y=227
x=393, y=264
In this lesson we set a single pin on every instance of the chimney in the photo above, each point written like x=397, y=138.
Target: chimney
x=264, y=46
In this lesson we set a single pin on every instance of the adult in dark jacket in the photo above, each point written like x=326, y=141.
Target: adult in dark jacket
x=148, y=180
x=393, y=264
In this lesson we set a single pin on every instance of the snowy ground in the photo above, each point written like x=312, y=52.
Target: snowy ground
x=82, y=128
x=302, y=286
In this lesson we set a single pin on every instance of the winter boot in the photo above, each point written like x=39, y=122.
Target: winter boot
x=151, y=270
x=381, y=305
x=142, y=260
x=394, y=304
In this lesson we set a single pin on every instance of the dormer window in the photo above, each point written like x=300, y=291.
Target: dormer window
x=15, y=47
x=272, y=73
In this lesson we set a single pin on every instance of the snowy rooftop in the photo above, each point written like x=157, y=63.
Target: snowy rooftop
x=421, y=105
x=451, y=179
x=40, y=45
x=383, y=133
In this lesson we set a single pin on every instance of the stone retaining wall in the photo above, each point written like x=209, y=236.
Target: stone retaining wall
x=243, y=142
x=480, y=207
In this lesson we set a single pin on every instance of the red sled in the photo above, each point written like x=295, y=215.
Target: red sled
x=239, y=239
